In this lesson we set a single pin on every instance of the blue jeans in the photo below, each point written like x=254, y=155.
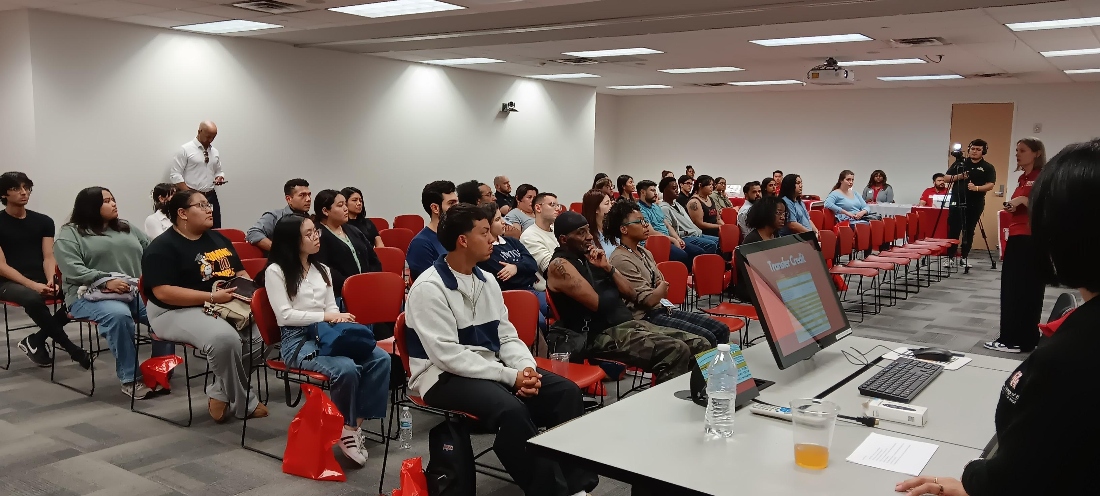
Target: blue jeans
x=117, y=323
x=544, y=308
x=685, y=255
x=358, y=389
x=709, y=244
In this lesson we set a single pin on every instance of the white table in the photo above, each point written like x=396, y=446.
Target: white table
x=889, y=209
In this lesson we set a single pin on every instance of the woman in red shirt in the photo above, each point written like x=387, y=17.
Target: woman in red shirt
x=1022, y=284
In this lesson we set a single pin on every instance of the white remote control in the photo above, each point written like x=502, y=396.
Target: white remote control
x=779, y=412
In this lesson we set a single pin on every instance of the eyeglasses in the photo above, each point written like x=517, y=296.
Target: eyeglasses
x=203, y=206
x=639, y=221
x=782, y=214
x=312, y=234
x=205, y=156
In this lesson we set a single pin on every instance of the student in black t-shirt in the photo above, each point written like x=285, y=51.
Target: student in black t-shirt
x=27, y=267
x=180, y=268
x=357, y=216
x=972, y=177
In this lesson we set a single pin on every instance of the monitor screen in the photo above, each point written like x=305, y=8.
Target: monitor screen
x=794, y=296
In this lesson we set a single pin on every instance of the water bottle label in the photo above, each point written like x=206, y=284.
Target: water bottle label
x=406, y=425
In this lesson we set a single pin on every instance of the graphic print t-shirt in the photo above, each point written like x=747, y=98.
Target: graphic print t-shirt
x=173, y=260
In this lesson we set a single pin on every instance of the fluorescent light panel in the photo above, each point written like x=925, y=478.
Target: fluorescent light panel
x=466, y=61
x=765, y=83
x=618, y=52
x=1082, y=71
x=696, y=70
x=396, y=8
x=1055, y=24
x=641, y=87
x=856, y=63
x=1070, y=53
x=226, y=27
x=935, y=77
x=576, y=75
x=812, y=40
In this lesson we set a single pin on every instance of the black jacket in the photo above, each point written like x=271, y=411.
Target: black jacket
x=337, y=256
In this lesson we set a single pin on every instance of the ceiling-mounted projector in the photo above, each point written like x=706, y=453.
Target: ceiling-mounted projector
x=830, y=73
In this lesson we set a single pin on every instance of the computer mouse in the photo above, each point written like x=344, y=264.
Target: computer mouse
x=934, y=354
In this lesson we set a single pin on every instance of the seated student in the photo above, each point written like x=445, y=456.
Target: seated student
x=357, y=216
x=97, y=249
x=604, y=184
x=156, y=223
x=718, y=196
x=486, y=370
x=300, y=289
x=594, y=206
x=424, y=249
x=767, y=217
x=752, y=195
x=702, y=209
x=181, y=267
x=298, y=200
x=769, y=187
x=469, y=192
x=798, y=218
x=687, y=186
x=27, y=268
x=503, y=194
x=540, y=240
x=598, y=179
x=845, y=203
x=588, y=293
x=625, y=185
x=878, y=190
x=523, y=215
x=344, y=249
x=627, y=226
x=513, y=265
x=679, y=250
x=681, y=221
x=939, y=187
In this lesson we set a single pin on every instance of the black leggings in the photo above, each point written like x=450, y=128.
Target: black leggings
x=1022, y=291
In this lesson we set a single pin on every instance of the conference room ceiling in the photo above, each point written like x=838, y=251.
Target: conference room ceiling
x=532, y=35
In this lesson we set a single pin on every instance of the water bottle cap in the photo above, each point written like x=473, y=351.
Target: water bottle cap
x=723, y=347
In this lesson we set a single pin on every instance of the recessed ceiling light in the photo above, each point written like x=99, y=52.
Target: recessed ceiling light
x=855, y=63
x=466, y=61
x=396, y=8
x=618, y=52
x=765, y=83
x=641, y=87
x=576, y=75
x=1068, y=53
x=935, y=77
x=1082, y=71
x=1055, y=24
x=812, y=40
x=695, y=70
x=226, y=27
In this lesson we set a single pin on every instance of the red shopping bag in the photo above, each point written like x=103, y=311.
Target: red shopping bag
x=1051, y=327
x=309, y=441
x=413, y=482
x=154, y=371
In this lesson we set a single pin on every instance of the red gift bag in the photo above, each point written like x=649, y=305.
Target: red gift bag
x=154, y=371
x=413, y=482
x=309, y=441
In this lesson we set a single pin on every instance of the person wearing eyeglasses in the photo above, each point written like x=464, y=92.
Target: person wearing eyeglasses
x=197, y=165
x=345, y=250
x=627, y=226
x=539, y=239
x=767, y=217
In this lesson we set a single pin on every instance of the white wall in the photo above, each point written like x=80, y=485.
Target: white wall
x=16, y=92
x=113, y=101
x=607, y=109
x=745, y=136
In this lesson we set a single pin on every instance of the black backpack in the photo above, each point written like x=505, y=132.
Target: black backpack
x=450, y=469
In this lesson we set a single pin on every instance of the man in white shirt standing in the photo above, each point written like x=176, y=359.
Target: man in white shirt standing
x=197, y=165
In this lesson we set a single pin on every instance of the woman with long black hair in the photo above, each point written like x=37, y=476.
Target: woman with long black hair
x=157, y=222
x=878, y=190
x=357, y=215
x=344, y=249
x=798, y=218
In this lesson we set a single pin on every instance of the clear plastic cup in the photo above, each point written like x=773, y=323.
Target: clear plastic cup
x=814, y=422
x=560, y=362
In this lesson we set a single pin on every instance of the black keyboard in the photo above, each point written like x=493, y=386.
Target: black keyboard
x=901, y=381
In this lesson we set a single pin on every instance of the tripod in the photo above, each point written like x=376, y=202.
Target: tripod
x=960, y=203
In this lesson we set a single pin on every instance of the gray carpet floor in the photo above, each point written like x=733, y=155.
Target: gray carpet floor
x=56, y=442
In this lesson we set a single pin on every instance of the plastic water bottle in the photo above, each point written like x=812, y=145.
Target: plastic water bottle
x=721, y=394
x=406, y=424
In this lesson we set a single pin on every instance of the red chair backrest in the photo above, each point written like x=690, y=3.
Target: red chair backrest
x=398, y=237
x=818, y=218
x=660, y=246
x=863, y=236
x=676, y=274
x=411, y=222
x=846, y=238
x=264, y=316
x=913, y=231
x=828, y=246
x=234, y=235
x=708, y=270
x=374, y=297
x=393, y=259
x=737, y=201
x=828, y=221
x=400, y=345
x=253, y=266
x=889, y=229
x=246, y=251
x=729, y=236
x=900, y=224
x=878, y=228
x=379, y=223
x=576, y=207
x=523, y=313
x=550, y=304
x=729, y=215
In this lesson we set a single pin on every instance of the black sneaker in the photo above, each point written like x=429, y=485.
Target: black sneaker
x=40, y=355
x=82, y=358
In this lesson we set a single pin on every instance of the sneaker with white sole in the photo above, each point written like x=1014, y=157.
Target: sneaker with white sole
x=136, y=391
x=352, y=446
x=947, y=264
x=40, y=354
x=999, y=346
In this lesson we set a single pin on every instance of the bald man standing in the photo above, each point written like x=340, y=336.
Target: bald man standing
x=198, y=166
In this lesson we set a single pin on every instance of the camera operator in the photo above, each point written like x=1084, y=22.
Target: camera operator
x=971, y=177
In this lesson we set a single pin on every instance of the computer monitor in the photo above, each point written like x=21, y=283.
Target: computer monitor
x=794, y=296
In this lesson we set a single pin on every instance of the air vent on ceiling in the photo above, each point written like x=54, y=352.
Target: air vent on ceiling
x=269, y=7
x=576, y=61
x=989, y=75
x=917, y=42
x=709, y=85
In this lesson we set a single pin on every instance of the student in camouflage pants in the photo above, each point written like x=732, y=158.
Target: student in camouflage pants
x=588, y=294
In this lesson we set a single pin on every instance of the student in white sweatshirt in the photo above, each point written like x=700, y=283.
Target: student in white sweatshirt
x=300, y=291
x=464, y=355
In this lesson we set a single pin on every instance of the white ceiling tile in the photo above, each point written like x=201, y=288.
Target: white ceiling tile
x=173, y=4
x=228, y=12
x=146, y=20
x=108, y=9
x=184, y=17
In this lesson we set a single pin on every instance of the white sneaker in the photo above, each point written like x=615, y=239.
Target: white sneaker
x=947, y=264
x=999, y=346
x=139, y=392
x=966, y=264
x=352, y=446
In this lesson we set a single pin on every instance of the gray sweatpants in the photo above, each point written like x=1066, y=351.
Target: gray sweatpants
x=222, y=346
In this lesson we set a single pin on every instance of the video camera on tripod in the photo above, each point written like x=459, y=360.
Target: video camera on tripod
x=959, y=193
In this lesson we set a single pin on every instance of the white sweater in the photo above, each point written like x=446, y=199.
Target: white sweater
x=314, y=297
x=468, y=335
x=541, y=244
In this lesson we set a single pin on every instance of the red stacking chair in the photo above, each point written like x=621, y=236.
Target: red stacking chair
x=373, y=298
x=245, y=251
x=660, y=246
x=576, y=207
x=845, y=245
x=828, y=220
x=253, y=266
x=737, y=201
x=729, y=236
x=676, y=274
x=379, y=223
x=818, y=218
x=8, y=329
x=729, y=215
x=862, y=231
x=398, y=237
x=555, y=316
x=393, y=259
x=711, y=278
x=412, y=222
x=95, y=345
x=234, y=235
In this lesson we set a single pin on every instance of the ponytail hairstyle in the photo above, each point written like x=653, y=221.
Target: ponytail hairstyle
x=179, y=201
x=701, y=182
x=1036, y=146
x=162, y=189
x=843, y=174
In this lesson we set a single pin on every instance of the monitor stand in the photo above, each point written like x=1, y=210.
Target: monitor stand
x=762, y=384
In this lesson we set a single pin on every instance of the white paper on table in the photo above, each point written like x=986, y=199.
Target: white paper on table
x=955, y=363
x=893, y=454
